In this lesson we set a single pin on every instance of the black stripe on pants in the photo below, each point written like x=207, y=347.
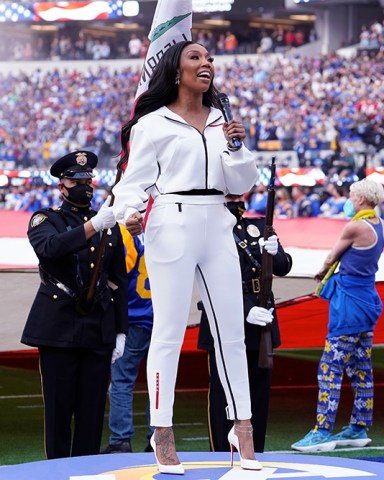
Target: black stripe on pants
x=219, y=425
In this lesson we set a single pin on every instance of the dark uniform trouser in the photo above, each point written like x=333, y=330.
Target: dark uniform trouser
x=219, y=426
x=75, y=383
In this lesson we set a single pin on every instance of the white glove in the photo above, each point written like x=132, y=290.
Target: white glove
x=119, y=349
x=260, y=316
x=105, y=218
x=271, y=245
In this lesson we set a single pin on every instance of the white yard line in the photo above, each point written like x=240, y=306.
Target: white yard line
x=8, y=397
x=195, y=390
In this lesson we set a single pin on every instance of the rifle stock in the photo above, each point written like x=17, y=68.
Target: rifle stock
x=265, y=346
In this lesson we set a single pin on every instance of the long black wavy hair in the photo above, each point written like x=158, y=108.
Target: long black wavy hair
x=162, y=91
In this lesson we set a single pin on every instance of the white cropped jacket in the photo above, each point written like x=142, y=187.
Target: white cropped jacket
x=169, y=155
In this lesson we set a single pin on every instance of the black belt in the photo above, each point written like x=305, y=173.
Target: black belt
x=199, y=191
x=47, y=277
x=251, y=286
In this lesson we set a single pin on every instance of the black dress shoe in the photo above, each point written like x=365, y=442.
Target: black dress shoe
x=123, y=447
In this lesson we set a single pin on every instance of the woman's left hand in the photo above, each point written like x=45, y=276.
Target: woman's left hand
x=134, y=224
x=233, y=129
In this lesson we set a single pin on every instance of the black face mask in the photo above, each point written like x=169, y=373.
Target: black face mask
x=81, y=194
x=236, y=208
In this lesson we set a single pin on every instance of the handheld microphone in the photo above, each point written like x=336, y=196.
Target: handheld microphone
x=223, y=100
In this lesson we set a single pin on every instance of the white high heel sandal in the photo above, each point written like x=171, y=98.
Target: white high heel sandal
x=172, y=469
x=246, y=464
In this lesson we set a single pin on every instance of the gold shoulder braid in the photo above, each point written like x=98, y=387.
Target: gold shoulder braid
x=359, y=215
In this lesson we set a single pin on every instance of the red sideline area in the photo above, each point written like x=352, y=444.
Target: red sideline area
x=317, y=232
x=14, y=224
x=303, y=321
x=295, y=232
x=303, y=324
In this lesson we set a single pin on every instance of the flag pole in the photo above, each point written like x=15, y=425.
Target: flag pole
x=172, y=23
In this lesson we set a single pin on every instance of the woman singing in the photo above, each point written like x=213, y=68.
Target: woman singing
x=181, y=152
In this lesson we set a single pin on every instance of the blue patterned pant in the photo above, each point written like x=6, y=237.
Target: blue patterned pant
x=352, y=354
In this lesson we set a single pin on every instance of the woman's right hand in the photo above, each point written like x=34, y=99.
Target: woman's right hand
x=134, y=224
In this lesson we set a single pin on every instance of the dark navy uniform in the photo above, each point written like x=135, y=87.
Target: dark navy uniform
x=75, y=337
x=248, y=230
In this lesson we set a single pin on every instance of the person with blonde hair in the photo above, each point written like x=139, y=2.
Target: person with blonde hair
x=372, y=191
x=354, y=308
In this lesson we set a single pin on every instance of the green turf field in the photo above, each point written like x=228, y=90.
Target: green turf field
x=292, y=411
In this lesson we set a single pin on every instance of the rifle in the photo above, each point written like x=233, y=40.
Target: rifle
x=100, y=255
x=265, y=347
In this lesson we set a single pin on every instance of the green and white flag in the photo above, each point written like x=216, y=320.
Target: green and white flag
x=172, y=23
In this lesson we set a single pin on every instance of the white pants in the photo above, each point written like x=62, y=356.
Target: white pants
x=188, y=236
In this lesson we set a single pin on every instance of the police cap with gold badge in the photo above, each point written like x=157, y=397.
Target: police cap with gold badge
x=77, y=165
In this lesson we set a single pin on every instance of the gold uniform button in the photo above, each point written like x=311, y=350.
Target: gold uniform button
x=112, y=300
x=92, y=265
x=239, y=227
x=253, y=269
x=92, y=249
x=55, y=297
x=110, y=244
x=85, y=219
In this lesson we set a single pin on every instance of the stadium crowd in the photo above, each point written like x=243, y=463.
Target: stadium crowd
x=293, y=202
x=325, y=109
x=371, y=37
x=301, y=104
x=81, y=45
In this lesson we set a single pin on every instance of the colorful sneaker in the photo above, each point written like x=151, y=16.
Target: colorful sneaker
x=317, y=440
x=353, y=436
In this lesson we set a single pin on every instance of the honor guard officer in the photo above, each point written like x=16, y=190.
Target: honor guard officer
x=248, y=234
x=77, y=337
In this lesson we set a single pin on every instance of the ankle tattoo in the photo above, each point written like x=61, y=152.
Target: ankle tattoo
x=244, y=428
x=164, y=435
x=165, y=443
